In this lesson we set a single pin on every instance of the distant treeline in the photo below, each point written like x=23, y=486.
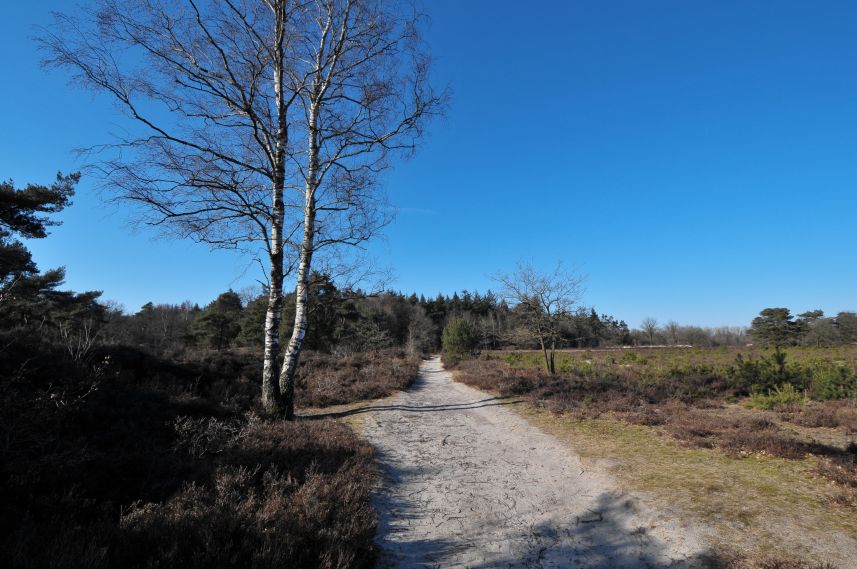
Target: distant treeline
x=345, y=322
x=342, y=322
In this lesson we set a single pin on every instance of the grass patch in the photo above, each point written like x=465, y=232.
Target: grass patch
x=760, y=505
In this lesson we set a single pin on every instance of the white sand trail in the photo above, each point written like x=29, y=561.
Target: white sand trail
x=468, y=483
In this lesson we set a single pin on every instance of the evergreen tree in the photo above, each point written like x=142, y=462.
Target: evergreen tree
x=220, y=322
x=775, y=327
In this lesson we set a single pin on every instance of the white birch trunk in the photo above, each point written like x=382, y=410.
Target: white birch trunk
x=293, y=350
x=271, y=394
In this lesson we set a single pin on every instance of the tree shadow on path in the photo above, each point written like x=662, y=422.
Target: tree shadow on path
x=594, y=538
x=487, y=402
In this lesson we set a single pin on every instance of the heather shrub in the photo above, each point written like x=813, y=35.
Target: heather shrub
x=324, y=379
x=123, y=459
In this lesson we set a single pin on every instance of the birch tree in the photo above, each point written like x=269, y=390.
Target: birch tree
x=364, y=96
x=206, y=87
x=258, y=125
x=544, y=300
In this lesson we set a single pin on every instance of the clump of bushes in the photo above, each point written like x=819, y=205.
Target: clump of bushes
x=821, y=380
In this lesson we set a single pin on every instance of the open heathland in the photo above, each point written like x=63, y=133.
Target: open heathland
x=736, y=436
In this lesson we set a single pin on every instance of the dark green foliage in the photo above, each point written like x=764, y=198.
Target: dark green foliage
x=846, y=323
x=21, y=210
x=775, y=327
x=460, y=338
x=831, y=381
x=30, y=301
x=219, y=322
x=252, y=323
x=821, y=380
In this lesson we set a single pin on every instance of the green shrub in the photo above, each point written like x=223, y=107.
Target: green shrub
x=460, y=338
x=765, y=374
x=785, y=394
x=831, y=381
x=629, y=357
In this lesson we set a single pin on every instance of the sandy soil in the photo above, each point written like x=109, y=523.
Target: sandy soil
x=468, y=483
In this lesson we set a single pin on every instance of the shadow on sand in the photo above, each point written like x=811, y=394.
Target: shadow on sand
x=595, y=538
x=488, y=402
x=419, y=385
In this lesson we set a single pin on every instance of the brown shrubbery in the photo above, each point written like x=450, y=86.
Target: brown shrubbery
x=127, y=460
x=330, y=380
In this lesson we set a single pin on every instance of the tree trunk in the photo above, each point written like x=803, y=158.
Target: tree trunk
x=545, y=353
x=553, y=358
x=293, y=351
x=272, y=399
x=271, y=394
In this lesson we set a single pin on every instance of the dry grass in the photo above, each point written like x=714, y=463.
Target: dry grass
x=765, y=507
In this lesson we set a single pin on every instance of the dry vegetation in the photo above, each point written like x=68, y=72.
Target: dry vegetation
x=710, y=433
x=133, y=461
x=325, y=380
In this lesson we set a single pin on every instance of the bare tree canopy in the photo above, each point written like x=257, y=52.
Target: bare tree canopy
x=544, y=300
x=650, y=327
x=258, y=124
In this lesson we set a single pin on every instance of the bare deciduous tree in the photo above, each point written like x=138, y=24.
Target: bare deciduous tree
x=544, y=301
x=672, y=329
x=205, y=84
x=650, y=327
x=256, y=124
x=364, y=94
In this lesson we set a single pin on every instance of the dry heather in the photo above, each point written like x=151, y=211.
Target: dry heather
x=128, y=460
x=325, y=380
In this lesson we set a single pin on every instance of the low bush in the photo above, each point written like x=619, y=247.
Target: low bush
x=829, y=414
x=832, y=381
x=782, y=395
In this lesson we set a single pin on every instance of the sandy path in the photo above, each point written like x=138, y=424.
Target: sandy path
x=467, y=483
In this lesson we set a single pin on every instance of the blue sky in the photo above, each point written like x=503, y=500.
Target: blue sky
x=697, y=160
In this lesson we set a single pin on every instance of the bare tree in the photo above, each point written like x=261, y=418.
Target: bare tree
x=650, y=327
x=672, y=328
x=544, y=301
x=218, y=91
x=364, y=94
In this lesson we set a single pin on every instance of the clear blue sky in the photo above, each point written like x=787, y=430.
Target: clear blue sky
x=697, y=159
